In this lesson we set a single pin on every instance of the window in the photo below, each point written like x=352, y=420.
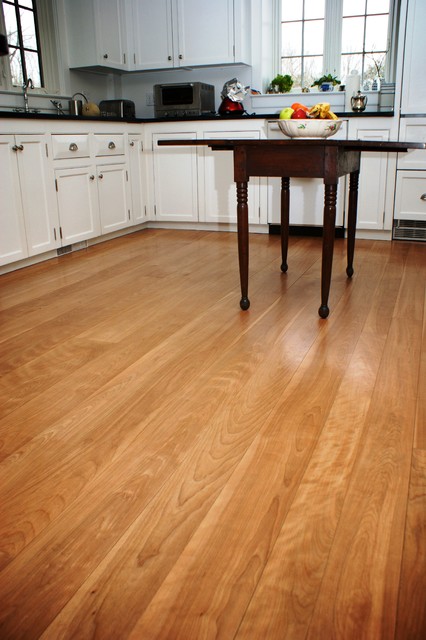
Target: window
x=20, y=18
x=334, y=36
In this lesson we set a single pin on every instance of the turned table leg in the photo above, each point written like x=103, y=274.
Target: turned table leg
x=285, y=221
x=243, y=240
x=352, y=213
x=330, y=197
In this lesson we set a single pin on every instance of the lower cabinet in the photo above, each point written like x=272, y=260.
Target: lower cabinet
x=92, y=200
x=114, y=196
x=377, y=179
x=138, y=186
x=29, y=220
x=306, y=194
x=218, y=200
x=78, y=204
x=175, y=193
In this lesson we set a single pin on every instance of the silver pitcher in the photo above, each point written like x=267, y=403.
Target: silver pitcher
x=359, y=102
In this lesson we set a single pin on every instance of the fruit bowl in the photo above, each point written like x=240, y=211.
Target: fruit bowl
x=309, y=128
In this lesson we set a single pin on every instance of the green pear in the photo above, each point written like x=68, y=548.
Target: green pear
x=286, y=113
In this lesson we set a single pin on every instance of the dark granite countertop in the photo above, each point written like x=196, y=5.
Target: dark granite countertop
x=21, y=115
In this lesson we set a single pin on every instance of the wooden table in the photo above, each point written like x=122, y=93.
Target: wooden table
x=302, y=158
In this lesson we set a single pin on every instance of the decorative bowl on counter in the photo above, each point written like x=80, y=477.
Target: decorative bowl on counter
x=309, y=128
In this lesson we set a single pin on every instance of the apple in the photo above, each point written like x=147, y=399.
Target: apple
x=299, y=114
x=286, y=113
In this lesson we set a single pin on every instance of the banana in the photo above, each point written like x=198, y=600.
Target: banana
x=322, y=110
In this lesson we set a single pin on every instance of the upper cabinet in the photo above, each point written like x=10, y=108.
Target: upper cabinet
x=140, y=35
x=413, y=95
x=97, y=33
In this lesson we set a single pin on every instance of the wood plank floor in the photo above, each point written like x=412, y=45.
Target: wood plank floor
x=174, y=468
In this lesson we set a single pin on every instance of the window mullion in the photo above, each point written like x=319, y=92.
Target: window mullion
x=333, y=36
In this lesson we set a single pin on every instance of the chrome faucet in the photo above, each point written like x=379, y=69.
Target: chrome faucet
x=27, y=85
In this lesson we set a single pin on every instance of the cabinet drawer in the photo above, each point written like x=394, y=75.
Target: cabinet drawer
x=410, y=197
x=70, y=146
x=109, y=145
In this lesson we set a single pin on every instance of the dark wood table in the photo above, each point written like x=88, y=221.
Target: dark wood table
x=298, y=158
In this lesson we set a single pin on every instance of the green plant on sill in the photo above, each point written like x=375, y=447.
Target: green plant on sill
x=283, y=83
x=329, y=79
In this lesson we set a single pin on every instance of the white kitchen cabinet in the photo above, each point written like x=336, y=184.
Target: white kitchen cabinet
x=410, y=196
x=92, y=200
x=138, y=185
x=412, y=130
x=28, y=195
x=413, y=94
x=13, y=241
x=218, y=201
x=114, y=196
x=78, y=203
x=306, y=194
x=187, y=33
x=98, y=33
x=377, y=177
x=175, y=178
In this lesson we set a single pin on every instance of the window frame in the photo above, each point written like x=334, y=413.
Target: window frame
x=47, y=28
x=333, y=19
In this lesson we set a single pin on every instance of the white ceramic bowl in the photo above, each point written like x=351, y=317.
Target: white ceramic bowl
x=309, y=128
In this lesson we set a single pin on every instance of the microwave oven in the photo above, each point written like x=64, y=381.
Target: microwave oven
x=183, y=99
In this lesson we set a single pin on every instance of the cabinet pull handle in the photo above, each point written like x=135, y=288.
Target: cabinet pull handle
x=101, y=175
x=132, y=144
x=180, y=56
x=18, y=147
x=92, y=177
x=73, y=147
x=111, y=145
x=169, y=57
x=105, y=56
x=423, y=197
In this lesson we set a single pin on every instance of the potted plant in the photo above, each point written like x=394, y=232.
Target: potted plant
x=326, y=82
x=281, y=84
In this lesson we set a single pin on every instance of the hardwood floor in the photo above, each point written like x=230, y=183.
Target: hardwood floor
x=174, y=468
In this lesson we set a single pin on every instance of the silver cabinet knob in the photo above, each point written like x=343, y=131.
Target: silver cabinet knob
x=73, y=147
x=111, y=145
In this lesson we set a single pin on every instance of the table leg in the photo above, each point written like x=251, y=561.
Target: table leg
x=285, y=221
x=330, y=197
x=352, y=213
x=243, y=243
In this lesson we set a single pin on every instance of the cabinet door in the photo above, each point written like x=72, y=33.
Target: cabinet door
x=78, y=204
x=111, y=32
x=218, y=201
x=175, y=179
x=137, y=179
x=413, y=95
x=152, y=25
x=13, y=245
x=97, y=33
x=205, y=32
x=38, y=194
x=114, y=197
x=373, y=183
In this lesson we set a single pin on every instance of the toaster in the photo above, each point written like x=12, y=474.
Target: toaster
x=117, y=109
